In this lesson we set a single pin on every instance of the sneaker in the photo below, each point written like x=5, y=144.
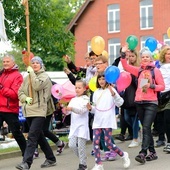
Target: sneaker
x=126, y=160
x=61, y=148
x=82, y=167
x=120, y=137
x=167, y=148
x=133, y=144
x=152, y=156
x=98, y=167
x=105, y=157
x=92, y=152
x=112, y=156
x=48, y=163
x=36, y=155
x=159, y=143
x=22, y=166
x=140, y=158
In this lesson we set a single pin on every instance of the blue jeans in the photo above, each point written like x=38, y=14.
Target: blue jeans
x=132, y=121
x=147, y=113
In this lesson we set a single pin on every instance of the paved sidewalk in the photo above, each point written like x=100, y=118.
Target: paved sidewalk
x=68, y=161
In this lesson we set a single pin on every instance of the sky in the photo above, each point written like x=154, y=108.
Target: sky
x=5, y=47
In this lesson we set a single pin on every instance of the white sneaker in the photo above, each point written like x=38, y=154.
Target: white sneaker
x=98, y=167
x=133, y=144
x=126, y=160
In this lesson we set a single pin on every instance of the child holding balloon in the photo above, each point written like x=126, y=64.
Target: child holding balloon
x=79, y=130
x=105, y=98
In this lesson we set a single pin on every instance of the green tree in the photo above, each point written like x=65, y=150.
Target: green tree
x=48, y=34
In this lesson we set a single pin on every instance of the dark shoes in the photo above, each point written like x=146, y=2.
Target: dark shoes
x=48, y=163
x=23, y=166
x=155, y=132
x=82, y=167
x=128, y=138
x=120, y=137
x=152, y=156
x=159, y=143
x=140, y=158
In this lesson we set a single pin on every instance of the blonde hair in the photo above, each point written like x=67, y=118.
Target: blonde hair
x=101, y=58
x=137, y=62
x=162, y=54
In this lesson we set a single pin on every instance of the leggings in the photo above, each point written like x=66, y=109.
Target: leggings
x=109, y=144
x=78, y=145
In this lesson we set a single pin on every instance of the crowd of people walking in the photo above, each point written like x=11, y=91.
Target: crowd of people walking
x=93, y=112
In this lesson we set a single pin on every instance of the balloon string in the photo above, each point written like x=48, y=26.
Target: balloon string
x=64, y=118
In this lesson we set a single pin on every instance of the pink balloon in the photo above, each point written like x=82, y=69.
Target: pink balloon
x=57, y=91
x=123, y=81
x=68, y=90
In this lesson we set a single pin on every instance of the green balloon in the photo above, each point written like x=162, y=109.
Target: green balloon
x=132, y=42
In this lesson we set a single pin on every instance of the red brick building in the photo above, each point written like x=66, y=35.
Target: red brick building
x=115, y=20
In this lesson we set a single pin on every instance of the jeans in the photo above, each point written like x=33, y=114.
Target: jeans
x=13, y=123
x=132, y=121
x=147, y=113
x=35, y=135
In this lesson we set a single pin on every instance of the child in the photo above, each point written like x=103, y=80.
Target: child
x=79, y=130
x=105, y=99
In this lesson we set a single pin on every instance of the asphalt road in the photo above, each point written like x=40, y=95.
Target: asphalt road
x=68, y=161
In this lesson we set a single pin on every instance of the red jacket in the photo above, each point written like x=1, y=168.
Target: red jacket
x=10, y=81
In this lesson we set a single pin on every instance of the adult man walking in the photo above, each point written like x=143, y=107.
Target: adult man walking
x=10, y=81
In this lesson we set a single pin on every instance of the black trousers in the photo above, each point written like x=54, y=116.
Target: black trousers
x=35, y=135
x=47, y=132
x=147, y=113
x=13, y=123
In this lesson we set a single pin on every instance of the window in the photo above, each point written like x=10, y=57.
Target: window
x=166, y=39
x=142, y=41
x=114, y=48
x=146, y=14
x=113, y=18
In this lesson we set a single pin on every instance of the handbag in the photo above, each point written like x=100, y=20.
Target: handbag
x=163, y=98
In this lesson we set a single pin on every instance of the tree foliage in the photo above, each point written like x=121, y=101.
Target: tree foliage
x=48, y=19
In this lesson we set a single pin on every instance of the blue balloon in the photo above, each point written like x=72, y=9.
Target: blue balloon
x=151, y=43
x=112, y=73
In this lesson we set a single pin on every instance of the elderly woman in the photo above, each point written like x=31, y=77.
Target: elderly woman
x=145, y=98
x=34, y=107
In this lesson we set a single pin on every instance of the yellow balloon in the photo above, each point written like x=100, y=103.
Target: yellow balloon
x=97, y=45
x=168, y=32
x=92, y=83
x=104, y=53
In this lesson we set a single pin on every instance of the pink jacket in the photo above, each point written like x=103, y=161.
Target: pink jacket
x=151, y=94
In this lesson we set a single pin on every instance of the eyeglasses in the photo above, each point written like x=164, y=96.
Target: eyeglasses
x=92, y=58
x=98, y=64
x=87, y=58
